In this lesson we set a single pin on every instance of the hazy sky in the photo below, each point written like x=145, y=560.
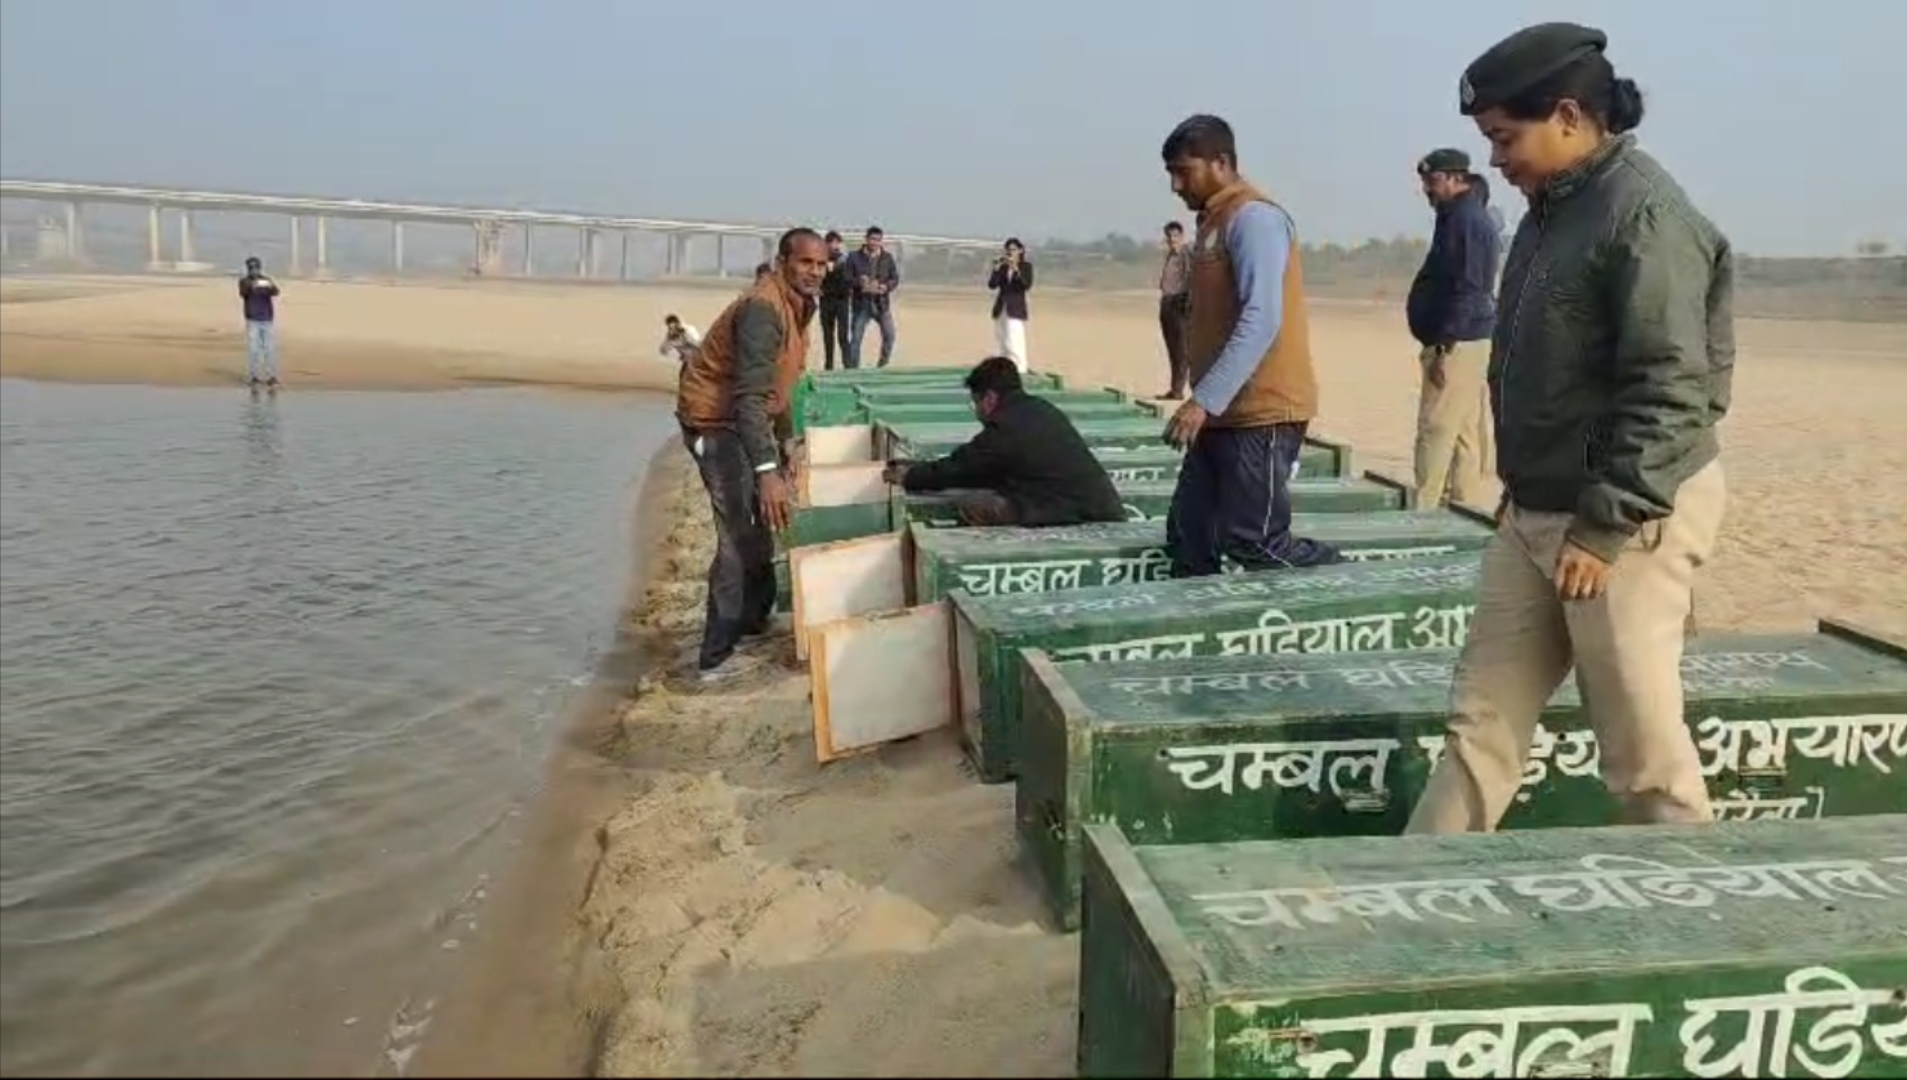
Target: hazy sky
x=973, y=117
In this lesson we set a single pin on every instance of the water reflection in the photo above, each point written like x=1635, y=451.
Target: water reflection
x=263, y=441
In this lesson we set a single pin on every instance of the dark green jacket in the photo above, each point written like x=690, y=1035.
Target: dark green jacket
x=1614, y=350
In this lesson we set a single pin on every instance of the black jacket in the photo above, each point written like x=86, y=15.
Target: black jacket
x=837, y=287
x=1029, y=452
x=1454, y=296
x=1009, y=294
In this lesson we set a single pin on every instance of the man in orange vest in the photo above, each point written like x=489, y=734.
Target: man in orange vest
x=733, y=403
x=1248, y=352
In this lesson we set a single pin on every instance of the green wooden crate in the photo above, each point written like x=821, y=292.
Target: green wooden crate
x=1000, y=561
x=834, y=397
x=903, y=440
x=1350, y=607
x=1154, y=461
x=1741, y=949
x=876, y=397
x=958, y=412
x=911, y=375
x=826, y=524
x=1221, y=749
x=1151, y=500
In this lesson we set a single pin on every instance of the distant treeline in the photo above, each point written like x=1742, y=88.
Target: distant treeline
x=1869, y=286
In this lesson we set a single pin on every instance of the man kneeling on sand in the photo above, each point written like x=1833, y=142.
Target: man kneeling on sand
x=1028, y=466
x=733, y=404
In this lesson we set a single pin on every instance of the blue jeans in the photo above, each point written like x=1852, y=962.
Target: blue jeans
x=261, y=350
x=1234, y=500
x=858, y=333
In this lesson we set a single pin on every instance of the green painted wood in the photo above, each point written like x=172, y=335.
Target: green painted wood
x=958, y=412
x=1151, y=500
x=827, y=524
x=1002, y=561
x=1217, y=749
x=876, y=397
x=904, y=440
x=834, y=397
x=910, y=375
x=1153, y=462
x=1741, y=949
x=1352, y=607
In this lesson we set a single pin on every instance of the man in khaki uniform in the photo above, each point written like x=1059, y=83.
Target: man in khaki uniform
x=1610, y=373
x=1452, y=313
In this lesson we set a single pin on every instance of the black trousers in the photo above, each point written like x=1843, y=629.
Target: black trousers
x=836, y=321
x=1234, y=500
x=1173, y=314
x=741, y=583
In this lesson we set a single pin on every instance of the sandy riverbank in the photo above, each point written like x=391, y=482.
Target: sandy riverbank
x=714, y=904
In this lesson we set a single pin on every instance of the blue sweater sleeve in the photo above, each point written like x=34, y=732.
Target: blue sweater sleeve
x=1258, y=241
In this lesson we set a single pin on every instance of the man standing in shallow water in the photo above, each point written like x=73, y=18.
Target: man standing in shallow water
x=733, y=403
x=258, y=295
x=1248, y=354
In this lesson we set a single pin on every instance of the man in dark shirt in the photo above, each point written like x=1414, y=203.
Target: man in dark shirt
x=1028, y=466
x=837, y=305
x=733, y=403
x=876, y=276
x=1452, y=313
x=256, y=293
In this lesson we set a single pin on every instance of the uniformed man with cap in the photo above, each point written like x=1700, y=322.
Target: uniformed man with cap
x=1608, y=374
x=1451, y=310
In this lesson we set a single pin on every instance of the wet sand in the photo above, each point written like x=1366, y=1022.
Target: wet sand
x=703, y=899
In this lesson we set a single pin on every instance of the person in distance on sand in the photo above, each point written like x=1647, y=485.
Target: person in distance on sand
x=1451, y=310
x=1608, y=376
x=733, y=403
x=1028, y=466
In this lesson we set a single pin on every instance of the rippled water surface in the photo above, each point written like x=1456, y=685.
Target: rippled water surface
x=277, y=677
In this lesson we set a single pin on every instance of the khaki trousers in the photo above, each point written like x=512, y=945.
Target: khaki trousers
x=1626, y=648
x=1453, y=427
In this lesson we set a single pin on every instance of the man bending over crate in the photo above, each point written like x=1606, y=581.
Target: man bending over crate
x=1248, y=350
x=1028, y=466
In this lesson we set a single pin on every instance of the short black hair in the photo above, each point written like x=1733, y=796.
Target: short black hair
x=667, y=319
x=764, y=269
x=833, y=235
x=1014, y=242
x=875, y=230
x=996, y=374
x=253, y=260
x=786, y=245
x=1203, y=137
x=1173, y=226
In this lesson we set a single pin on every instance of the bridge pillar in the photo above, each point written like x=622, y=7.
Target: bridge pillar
x=75, y=243
x=679, y=254
x=186, y=254
x=155, y=250
x=297, y=245
x=585, y=252
x=529, y=250
x=397, y=247
x=622, y=270
x=767, y=251
x=324, y=253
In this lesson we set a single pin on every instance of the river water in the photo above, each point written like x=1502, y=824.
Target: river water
x=277, y=681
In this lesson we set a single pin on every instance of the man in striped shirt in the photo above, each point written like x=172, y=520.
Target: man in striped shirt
x=1175, y=282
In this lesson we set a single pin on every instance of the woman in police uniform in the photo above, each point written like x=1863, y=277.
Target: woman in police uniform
x=1609, y=370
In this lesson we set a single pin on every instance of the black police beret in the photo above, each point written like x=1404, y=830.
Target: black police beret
x=1523, y=60
x=1446, y=160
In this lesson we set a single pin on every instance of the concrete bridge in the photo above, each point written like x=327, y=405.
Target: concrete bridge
x=487, y=226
